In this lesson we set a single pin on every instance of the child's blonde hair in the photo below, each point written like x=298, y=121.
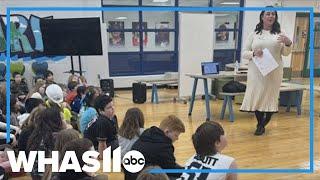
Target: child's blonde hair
x=172, y=123
x=146, y=175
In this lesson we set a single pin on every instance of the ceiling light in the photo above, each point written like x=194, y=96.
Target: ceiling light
x=121, y=18
x=219, y=15
x=160, y=1
x=230, y=3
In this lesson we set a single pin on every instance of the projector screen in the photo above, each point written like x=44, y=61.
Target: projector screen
x=74, y=36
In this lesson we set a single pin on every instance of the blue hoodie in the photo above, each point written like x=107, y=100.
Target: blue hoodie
x=87, y=114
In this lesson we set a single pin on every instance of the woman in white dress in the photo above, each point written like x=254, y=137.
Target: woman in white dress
x=262, y=92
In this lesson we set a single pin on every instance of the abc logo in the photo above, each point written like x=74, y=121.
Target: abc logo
x=133, y=161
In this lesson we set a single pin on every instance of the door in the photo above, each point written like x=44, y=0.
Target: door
x=316, y=56
x=299, y=44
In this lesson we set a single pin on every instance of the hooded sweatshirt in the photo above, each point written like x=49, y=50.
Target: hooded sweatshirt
x=157, y=149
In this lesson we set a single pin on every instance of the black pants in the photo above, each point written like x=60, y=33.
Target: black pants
x=263, y=118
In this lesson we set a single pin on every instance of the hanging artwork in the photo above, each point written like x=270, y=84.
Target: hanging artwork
x=136, y=34
x=222, y=35
x=162, y=37
x=116, y=38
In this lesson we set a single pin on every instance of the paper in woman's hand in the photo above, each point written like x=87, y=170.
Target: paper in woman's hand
x=266, y=63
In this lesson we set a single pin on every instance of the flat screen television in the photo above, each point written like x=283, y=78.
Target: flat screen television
x=73, y=36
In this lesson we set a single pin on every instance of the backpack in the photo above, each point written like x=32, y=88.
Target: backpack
x=234, y=87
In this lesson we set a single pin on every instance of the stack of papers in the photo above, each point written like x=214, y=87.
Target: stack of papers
x=266, y=63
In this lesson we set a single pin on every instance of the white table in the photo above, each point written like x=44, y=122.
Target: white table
x=222, y=74
x=292, y=89
x=158, y=82
x=232, y=65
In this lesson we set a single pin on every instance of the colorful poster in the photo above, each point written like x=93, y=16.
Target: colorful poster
x=221, y=35
x=136, y=34
x=116, y=38
x=162, y=37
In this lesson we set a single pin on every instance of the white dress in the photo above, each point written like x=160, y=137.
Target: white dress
x=262, y=92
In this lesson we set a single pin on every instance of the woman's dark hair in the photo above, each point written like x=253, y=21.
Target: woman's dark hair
x=101, y=102
x=32, y=103
x=38, y=78
x=32, y=120
x=47, y=74
x=205, y=137
x=64, y=137
x=133, y=121
x=3, y=97
x=72, y=85
x=49, y=122
x=275, y=27
x=89, y=99
x=81, y=90
x=146, y=175
x=15, y=74
x=79, y=146
x=13, y=101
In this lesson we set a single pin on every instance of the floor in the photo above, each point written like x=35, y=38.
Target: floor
x=285, y=144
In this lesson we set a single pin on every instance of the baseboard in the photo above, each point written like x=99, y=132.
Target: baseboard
x=149, y=87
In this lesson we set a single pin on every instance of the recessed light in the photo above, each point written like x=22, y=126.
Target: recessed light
x=121, y=18
x=230, y=3
x=221, y=15
x=159, y=1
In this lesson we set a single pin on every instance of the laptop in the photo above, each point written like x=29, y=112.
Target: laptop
x=209, y=68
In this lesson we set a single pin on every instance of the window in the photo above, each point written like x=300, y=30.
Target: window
x=158, y=2
x=226, y=30
x=161, y=33
x=121, y=42
x=126, y=17
x=141, y=42
x=120, y=2
x=118, y=23
x=226, y=3
x=227, y=47
x=159, y=63
x=203, y=3
x=160, y=41
x=124, y=64
x=146, y=42
x=153, y=18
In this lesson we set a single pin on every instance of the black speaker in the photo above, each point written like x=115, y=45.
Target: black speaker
x=107, y=86
x=139, y=93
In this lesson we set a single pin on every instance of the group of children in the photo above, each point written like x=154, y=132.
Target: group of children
x=83, y=118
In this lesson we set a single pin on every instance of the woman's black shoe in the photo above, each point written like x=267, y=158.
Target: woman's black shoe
x=260, y=130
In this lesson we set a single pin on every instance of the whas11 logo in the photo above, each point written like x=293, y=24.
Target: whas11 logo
x=133, y=161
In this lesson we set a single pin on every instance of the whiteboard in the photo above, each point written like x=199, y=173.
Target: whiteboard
x=195, y=46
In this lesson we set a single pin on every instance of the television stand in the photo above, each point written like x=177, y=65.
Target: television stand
x=72, y=71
